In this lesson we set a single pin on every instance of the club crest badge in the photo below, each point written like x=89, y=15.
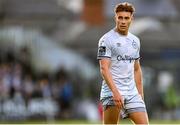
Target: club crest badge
x=134, y=45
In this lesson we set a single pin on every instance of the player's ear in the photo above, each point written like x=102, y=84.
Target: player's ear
x=132, y=16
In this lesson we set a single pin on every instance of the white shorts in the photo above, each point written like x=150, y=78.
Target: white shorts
x=132, y=103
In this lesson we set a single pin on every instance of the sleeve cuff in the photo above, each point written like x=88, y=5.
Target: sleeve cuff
x=102, y=57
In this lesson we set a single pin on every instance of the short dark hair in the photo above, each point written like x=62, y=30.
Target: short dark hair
x=125, y=6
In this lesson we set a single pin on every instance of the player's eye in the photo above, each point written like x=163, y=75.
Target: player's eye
x=127, y=18
x=120, y=17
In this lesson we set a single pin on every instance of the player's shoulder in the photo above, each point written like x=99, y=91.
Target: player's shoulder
x=134, y=37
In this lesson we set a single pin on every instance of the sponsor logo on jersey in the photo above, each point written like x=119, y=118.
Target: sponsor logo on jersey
x=126, y=58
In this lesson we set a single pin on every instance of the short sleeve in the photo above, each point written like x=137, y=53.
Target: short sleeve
x=138, y=50
x=104, y=50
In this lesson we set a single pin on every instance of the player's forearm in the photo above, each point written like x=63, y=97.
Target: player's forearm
x=108, y=78
x=138, y=80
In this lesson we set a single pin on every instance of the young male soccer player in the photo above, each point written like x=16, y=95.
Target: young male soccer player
x=118, y=54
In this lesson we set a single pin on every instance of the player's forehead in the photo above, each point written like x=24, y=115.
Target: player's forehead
x=123, y=14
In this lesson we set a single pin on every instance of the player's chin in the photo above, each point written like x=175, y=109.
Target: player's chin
x=123, y=30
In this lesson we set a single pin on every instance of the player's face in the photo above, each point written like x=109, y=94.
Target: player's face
x=123, y=21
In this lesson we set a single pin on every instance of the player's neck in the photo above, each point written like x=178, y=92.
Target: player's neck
x=125, y=33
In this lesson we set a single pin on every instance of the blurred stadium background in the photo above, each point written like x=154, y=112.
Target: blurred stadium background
x=48, y=66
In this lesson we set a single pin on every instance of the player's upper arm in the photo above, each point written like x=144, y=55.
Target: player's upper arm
x=104, y=49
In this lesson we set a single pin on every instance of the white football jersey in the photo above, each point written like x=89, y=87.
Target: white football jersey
x=122, y=51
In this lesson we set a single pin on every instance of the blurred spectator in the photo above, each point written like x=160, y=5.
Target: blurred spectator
x=168, y=96
x=28, y=86
x=65, y=92
x=6, y=77
x=17, y=77
x=171, y=98
x=165, y=79
x=45, y=86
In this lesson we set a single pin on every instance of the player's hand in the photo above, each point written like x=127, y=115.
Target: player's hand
x=118, y=99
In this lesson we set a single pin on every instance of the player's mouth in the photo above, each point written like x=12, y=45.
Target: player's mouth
x=123, y=27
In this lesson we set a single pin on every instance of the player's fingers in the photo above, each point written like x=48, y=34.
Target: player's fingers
x=118, y=104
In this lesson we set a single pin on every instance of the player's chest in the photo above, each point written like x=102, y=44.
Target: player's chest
x=124, y=46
